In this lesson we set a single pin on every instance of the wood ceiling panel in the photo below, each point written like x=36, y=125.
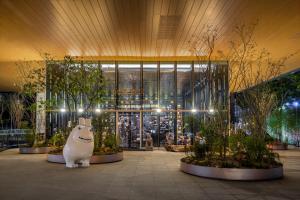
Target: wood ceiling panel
x=132, y=27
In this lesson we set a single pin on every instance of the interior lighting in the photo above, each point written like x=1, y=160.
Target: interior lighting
x=80, y=110
x=129, y=66
x=158, y=110
x=63, y=110
x=194, y=110
x=211, y=110
x=97, y=110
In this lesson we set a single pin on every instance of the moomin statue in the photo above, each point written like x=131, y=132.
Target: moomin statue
x=80, y=145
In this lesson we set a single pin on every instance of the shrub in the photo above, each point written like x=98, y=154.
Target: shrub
x=199, y=150
x=110, y=141
x=29, y=138
x=58, y=139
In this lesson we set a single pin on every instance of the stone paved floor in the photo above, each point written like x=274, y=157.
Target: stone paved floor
x=141, y=175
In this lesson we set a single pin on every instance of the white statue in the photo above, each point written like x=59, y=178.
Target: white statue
x=80, y=145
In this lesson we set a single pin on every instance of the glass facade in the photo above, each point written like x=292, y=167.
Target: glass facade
x=153, y=98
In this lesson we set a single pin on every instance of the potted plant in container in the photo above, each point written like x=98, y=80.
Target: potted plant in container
x=31, y=87
x=82, y=86
x=222, y=151
x=106, y=149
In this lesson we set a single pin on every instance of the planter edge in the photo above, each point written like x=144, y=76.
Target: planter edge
x=95, y=159
x=34, y=150
x=232, y=173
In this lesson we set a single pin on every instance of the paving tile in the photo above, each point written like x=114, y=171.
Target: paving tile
x=141, y=175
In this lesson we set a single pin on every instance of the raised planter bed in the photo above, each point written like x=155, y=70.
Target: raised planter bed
x=277, y=146
x=95, y=159
x=177, y=148
x=240, y=174
x=34, y=150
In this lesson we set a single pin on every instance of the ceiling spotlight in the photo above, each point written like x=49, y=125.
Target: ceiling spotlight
x=62, y=110
x=194, y=110
x=158, y=110
x=97, y=110
x=80, y=110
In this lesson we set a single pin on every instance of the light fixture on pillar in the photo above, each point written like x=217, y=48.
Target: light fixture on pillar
x=194, y=110
x=97, y=110
x=158, y=110
x=80, y=110
x=62, y=110
x=211, y=110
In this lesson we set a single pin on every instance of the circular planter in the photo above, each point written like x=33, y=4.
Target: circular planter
x=95, y=159
x=232, y=173
x=277, y=146
x=34, y=150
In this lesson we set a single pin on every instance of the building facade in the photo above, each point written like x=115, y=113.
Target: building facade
x=151, y=98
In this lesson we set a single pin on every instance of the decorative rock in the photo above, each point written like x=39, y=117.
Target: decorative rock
x=80, y=144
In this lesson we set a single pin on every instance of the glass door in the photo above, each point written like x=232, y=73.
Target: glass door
x=129, y=130
x=150, y=128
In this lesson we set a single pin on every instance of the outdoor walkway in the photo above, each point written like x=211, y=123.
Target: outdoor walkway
x=141, y=175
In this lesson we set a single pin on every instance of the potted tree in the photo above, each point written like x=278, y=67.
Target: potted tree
x=223, y=151
x=31, y=87
x=82, y=86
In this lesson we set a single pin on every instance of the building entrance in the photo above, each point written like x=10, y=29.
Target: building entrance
x=129, y=130
x=135, y=127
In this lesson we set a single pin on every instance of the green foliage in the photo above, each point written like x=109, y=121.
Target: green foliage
x=74, y=81
x=250, y=151
x=275, y=122
x=30, y=139
x=110, y=141
x=103, y=127
x=237, y=141
x=199, y=150
x=58, y=140
x=190, y=123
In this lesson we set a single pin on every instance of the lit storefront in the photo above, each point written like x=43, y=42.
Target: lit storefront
x=153, y=98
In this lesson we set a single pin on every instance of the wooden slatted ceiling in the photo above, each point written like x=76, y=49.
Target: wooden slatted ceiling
x=132, y=27
x=125, y=28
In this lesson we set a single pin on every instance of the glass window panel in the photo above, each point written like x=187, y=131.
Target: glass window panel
x=129, y=86
x=150, y=84
x=166, y=128
x=150, y=128
x=129, y=129
x=200, y=85
x=109, y=70
x=167, y=86
x=184, y=86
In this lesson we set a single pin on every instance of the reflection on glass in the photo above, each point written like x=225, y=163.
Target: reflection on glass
x=184, y=86
x=152, y=89
x=201, y=86
x=166, y=128
x=150, y=84
x=129, y=86
x=167, y=86
x=129, y=130
x=108, y=70
x=150, y=127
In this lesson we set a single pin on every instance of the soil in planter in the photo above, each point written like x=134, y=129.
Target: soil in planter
x=107, y=151
x=229, y=162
